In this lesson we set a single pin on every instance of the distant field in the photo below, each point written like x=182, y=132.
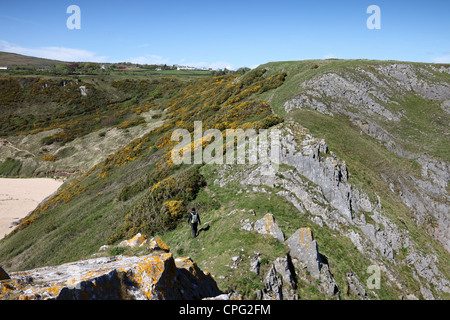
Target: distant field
x=170, y=73
x=32, y=66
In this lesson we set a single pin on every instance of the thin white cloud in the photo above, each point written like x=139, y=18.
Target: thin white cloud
x=55, y=53
x=443, y=59
x=149, y=59
x=72, y=54
x=213, y=65
x=329, y=56
x=15, y=19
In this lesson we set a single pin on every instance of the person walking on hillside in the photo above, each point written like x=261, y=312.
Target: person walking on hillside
x=194, y=220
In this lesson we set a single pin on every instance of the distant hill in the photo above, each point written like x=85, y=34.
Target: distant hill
x=14, y=59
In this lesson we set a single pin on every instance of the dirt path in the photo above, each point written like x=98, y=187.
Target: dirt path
x=6, y=143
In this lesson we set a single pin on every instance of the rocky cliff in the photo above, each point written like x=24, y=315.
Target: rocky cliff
x=303, y=253
x=378, y=100
x=315, y=181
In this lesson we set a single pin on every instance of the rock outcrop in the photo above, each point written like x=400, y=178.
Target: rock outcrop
x=305, y=251
x=366, y=97
x=138, y=240
x=304, y=248
x=266, y=225
x=280, y=280
x=155, y=277
x=156, y=243
x=315, y=181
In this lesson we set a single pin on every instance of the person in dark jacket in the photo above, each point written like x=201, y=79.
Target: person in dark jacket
x=194, y=220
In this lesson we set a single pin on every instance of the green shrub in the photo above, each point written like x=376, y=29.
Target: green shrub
x=115, y=251
x=151, y=216
x=129, y=191
x=268, y=122
x=48, y=140
x=157, y=94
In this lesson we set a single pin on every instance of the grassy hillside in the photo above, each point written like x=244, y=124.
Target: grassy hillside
x=376, y=149
x=131, y=172
x=137, y=188
x=14, y=59
x=224, y=239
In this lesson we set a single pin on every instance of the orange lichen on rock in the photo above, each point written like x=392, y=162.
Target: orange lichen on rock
x=268, y=225
x=305, y=236
x=156, y=243
x=303, y=247
x=137, y=241
x=157, y=276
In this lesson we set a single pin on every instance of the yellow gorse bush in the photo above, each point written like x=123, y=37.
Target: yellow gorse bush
x=175, y=208
x=50, y=158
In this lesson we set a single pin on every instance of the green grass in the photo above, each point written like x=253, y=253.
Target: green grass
x=10, y=167
x=423, y=129
x=14, y=59
x=301, y=71
x=215, y=247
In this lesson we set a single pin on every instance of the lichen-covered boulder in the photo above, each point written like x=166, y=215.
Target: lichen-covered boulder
x=154, y=277
x=303, y=247
x=156, y=243
x=268, y=225
x=137, y=241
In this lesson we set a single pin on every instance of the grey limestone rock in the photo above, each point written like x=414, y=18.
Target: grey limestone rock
x=355, y=286
x=273, y=286
x=268, y=225
x=255, y=264
x=279, y=283
x=364, y=95
x=303, y=247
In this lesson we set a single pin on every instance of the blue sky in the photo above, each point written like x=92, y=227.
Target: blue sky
x=226, y=33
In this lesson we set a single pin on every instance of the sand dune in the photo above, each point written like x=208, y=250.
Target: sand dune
x=18, y=197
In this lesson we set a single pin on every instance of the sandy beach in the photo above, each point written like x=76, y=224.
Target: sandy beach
x=18, y=197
